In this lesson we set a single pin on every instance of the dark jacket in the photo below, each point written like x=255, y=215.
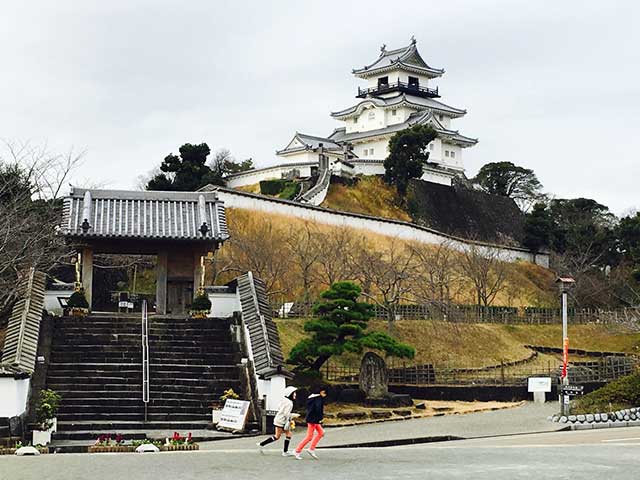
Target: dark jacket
x=315, y=408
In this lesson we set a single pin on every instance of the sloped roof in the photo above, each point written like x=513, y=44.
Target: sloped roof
x=425, y=117
x=302, y=141
x=407, y=58
x=401, y=99
x=144, y=215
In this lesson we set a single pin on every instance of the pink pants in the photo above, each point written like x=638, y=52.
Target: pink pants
x=311, y=429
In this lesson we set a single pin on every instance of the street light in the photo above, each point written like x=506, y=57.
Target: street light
x=565, y=283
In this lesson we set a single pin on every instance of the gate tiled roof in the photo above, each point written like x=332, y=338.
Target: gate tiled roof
x=144, y=215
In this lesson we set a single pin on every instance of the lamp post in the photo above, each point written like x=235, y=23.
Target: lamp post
x=565, y=283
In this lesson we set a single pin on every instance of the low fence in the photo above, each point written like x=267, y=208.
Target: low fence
x=603, y=370
x=479, y=314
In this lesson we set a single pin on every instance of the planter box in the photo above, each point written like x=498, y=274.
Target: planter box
x=7, y=451
x=43, y=437
x=199, y=313
x=184, y=446
x=110, y=449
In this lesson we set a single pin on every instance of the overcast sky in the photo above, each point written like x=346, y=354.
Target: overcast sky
x=553, y=86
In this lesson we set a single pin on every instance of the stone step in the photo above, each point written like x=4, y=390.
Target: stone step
x=94, y=435
x=116, y=417
x=204, y=359
x=136, y=402
x=117, y=426
x=188, y=393
x=74, y=410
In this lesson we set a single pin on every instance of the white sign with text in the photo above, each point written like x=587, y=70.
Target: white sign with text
x=539, y=384
x=234, y=415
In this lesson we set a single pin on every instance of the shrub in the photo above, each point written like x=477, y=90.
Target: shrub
x=229, y=394
x=78, y=300
x=619, y=394
x=273, y=187
x=201, y=303
x=47, y=408
x=290, y=191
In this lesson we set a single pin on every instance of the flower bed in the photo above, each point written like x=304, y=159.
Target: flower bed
x=12, y=451
x=181, y=446
x=110, y=449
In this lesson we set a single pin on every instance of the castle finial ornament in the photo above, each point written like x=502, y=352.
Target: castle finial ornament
x=413, y=40
x=383, y=48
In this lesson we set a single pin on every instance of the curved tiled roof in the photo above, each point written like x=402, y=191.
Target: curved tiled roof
x=340, y=135
x=406, y=58
x=194, y=216
x=401, y=99
x=308, y=142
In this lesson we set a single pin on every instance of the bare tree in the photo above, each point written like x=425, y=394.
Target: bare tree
x=334, y=248
x=386, y=274
x=486, y=271
x=31, y=183
x=257, y=246
x=438, y=277
x=302, y=246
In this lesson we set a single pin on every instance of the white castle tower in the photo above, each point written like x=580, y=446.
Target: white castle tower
x=399, y=94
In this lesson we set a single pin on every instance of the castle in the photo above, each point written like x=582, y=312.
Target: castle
x=399, y=94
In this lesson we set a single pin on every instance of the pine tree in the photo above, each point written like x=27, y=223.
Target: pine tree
x=341, y=327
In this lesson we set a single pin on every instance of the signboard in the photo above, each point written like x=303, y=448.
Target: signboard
x=572, y=389
x=234, y=415
x=539, y=384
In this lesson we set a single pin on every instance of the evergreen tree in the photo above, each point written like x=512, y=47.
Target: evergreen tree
x=538, y=228
x=340, y=327
x=407, y=155
x=509, y=180
x=187, y=172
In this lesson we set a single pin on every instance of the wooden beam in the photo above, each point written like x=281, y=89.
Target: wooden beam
x=87, y=274
x=161, y=283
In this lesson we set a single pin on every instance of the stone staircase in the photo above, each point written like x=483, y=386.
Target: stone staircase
x=96, y=365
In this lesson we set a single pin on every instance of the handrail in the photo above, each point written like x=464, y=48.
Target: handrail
x=21, y=340
x=318, y=189
x=145, y=357
x=385, y=87
x=256, y=303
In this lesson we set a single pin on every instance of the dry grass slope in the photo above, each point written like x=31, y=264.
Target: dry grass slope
x=478, y=345
x=370, y=196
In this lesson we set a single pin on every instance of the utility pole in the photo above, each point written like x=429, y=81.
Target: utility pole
x=565, y=283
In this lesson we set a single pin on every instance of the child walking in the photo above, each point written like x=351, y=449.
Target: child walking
x=315, y=415
x=282, y=421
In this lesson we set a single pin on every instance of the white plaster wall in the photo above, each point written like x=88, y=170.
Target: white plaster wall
x=429, y=176
x=253, y=177
x=223, y=304
x=13, y=396
x=400, y=230
x=51, y=303
x=274, y=390
x=380, y=149
x=395, y=75
x=363, y=168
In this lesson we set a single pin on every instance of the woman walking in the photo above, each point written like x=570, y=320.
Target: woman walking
x=315, y=415
x=282, y=422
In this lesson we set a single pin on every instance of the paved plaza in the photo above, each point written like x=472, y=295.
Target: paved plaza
x=610, y=453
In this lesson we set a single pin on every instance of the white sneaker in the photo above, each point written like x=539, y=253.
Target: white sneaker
x=297, y=455
x=313, y=454
x=287, y=454
x=260, y=448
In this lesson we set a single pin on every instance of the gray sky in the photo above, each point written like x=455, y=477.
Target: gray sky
x=553, y=86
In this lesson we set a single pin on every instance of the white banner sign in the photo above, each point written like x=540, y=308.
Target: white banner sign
x=234, y=415
x=539, y=384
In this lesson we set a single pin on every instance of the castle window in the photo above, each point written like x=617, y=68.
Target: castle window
x=431, y=146
x=453, y=154
x=440, y=117
x=371, y=151
x=394, y=112
x=446, y=153
x=366, y=151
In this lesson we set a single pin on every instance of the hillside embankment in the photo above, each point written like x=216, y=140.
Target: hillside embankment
x=479, y=345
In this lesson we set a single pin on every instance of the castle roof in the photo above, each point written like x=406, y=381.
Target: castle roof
x=400, y=100
x=425, y=117
x=405, y=58
x=303, y=141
